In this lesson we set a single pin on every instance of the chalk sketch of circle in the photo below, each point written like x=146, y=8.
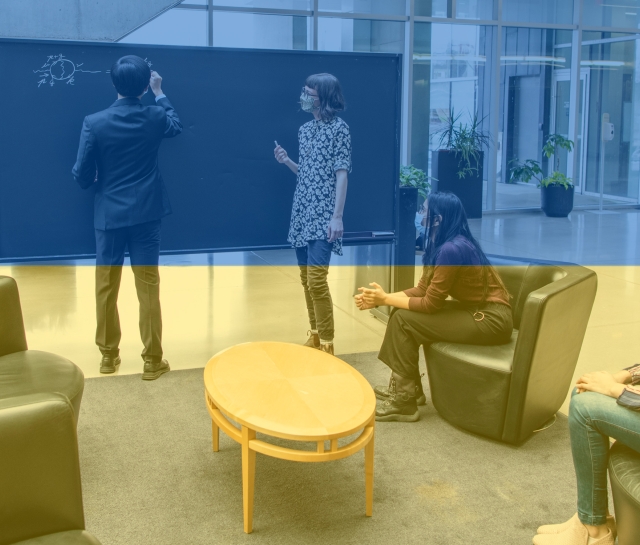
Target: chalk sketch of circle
x=62, y=69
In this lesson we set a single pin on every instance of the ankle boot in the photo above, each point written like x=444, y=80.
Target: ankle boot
x=313, y=341
x=400, y=407
x=327, y=347
x=384, y=392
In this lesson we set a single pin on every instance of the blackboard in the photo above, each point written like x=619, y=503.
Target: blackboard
x=226, y=189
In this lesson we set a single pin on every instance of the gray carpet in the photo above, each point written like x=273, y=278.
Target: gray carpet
x=149, y=477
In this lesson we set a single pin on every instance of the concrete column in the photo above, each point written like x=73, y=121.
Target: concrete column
x=101, y=20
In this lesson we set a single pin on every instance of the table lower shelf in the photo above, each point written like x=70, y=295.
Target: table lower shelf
x=250, y=446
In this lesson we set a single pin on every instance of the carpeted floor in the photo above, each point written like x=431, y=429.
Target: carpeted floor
x=150, y=477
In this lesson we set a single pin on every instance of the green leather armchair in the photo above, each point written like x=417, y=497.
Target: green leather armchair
x=41, y=497
x=24, y=371
x=507, y=392
x=624, y=474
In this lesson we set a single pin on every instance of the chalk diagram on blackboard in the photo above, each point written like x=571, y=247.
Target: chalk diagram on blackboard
x=59, y=68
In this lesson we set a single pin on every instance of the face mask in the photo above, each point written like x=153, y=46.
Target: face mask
x=306, y=103
x=418, y=222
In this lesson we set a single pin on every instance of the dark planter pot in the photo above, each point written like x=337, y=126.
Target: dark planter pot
x=556, y=201
x=444, y=167
x=406, y=246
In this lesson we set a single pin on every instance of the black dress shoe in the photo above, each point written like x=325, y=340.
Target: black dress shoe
x=153, y=370
x=385, y=392
x=109, y=363
x=400, y=407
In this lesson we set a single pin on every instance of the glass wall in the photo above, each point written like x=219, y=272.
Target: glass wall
x=360, y=35
x=513, y=63
x=534, y=103
x=260, y=31
x=616, y=14
x=387, y=7
x=451, y=74
x=610, y=65
x=173, y=27
x=432, y=8
x=263, y=4
x=538, y=11
x=476, y=9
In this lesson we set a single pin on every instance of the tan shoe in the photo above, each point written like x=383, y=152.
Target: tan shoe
x=327, y=347
x=313, y=341
x=557, y=528
x=575, y=534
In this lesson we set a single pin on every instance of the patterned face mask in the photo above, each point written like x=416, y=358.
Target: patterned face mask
x=306, y=102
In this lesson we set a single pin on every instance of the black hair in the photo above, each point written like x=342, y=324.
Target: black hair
x=130, y=75
x=453, y=222
x=329, y=93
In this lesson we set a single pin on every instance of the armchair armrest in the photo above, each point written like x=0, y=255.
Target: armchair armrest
x=39, y=468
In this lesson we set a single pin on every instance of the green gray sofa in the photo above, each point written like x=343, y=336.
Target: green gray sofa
x=40, y=492
x=24, y=371
x=507, y=392
x=624, y=474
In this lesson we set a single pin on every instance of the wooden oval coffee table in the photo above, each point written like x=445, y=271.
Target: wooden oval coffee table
x=291, y=392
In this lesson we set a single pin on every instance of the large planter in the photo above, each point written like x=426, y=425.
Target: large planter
x=556, y=201
x=406, y=245
x=445, y=167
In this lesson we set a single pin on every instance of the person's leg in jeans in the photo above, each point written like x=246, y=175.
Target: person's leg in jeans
x=318, y=258
x=110, y=246
x=144, y=249
x=593, y=419
x=314, y=338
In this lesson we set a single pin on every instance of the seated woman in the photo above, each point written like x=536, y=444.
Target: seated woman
x=600, y=409
x=455, y=265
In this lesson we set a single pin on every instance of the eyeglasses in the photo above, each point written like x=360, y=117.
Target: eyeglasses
x=305, y=92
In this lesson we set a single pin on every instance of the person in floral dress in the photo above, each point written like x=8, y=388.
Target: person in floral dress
x=316, y=227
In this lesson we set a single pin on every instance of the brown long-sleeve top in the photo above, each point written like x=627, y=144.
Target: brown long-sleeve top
x=457, y=272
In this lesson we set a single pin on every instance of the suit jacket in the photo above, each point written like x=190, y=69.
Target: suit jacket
x=118, y=154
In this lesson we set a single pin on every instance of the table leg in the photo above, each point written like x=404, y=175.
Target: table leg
x=215, y=433
x=368, y=474
x=248, y=477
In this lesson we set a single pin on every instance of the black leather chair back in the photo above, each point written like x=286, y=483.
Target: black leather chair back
x=12, y=335
x=521, y=280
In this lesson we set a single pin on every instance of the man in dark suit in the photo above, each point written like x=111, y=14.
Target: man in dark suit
x=118, y=155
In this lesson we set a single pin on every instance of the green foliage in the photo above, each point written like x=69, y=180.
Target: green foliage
x=554, y=142
x=557, y=178
x=531, y=169
x=411, y=176
x=467, y=140
x=524, y=172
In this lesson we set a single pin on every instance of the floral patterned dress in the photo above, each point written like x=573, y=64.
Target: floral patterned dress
x=325, y=148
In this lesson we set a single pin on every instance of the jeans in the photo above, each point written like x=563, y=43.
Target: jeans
x=143, y=242
x=313, y=260
x=593, y=419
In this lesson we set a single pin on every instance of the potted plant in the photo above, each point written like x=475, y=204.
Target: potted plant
x=412, y=177
x=556, y=190
x=414, y=189
x=458, y=163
